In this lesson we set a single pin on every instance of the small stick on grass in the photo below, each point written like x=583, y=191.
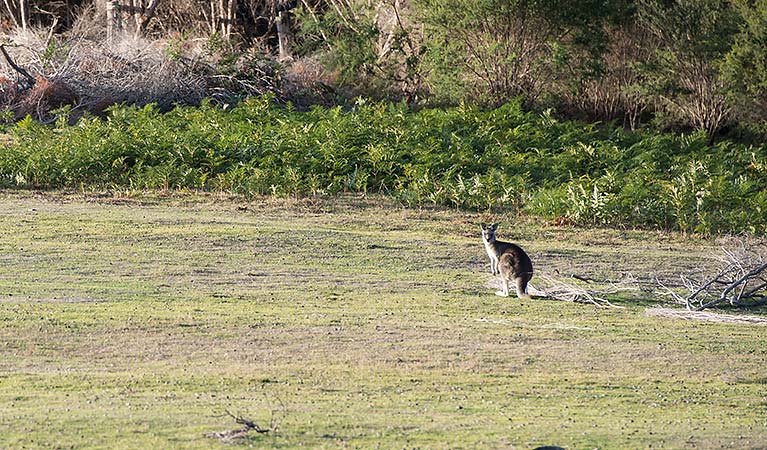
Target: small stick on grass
x=249, y=424
x=232, y=435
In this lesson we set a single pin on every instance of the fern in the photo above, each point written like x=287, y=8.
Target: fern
x=503, y=160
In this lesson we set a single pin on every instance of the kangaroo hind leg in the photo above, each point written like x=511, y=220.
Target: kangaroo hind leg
x=522, y=288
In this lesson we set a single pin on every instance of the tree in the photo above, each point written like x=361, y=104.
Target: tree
x=283, y=22
x=684, y=75
x=113, y=18
x=614, y=89
x=489, y=50
x=375, y=47
x=141, y=11
x=494, y=50
x=745, y=66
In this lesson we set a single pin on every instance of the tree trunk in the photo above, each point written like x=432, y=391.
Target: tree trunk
x=137, y=11
x=284, y=35
x=24, y=13
x=222, y=16
x=231, y=14
x=114, y=20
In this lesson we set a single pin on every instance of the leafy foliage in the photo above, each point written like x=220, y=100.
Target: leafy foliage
x=495, y=50
x=694, y=38
x=745, y=67
x=504, y=159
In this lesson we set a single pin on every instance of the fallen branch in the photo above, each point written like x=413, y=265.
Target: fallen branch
x=741, y=281
x=249, y=424
x=561, y=290
x=582, y=278
x=715, y=280
x=740, y=285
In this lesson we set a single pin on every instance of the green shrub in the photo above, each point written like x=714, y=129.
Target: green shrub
x=465, y=157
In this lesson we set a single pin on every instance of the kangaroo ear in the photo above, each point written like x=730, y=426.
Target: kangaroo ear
x=484, y=227
x=494, y=226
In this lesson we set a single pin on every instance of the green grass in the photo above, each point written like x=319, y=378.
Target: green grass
x=136, y=322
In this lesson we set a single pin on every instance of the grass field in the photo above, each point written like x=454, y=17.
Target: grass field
x=136, y=322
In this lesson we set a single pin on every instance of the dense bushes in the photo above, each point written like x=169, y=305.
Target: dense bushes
x=503, y=160
x=665, y=65
x=669, y=65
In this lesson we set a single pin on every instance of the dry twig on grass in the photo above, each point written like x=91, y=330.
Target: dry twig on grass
x=740, y=281
x=248, y=425
x=239, y=433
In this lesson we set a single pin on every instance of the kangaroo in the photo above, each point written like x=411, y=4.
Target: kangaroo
x=508, y=260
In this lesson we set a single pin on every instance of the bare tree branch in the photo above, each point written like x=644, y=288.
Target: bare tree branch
x=741, y=280
x=16, y=67
x=735, y=300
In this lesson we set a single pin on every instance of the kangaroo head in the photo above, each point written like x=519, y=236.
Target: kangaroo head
x=488, y=232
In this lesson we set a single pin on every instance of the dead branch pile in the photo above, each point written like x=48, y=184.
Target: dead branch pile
x=576, y=290
x=39, y=74
x=741, y=279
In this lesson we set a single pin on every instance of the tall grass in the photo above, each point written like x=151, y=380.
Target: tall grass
x=501, y=160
